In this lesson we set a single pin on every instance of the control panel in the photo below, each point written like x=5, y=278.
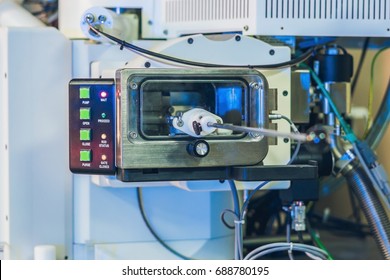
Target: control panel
x=92, y=126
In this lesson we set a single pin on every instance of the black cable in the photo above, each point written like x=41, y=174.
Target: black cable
x=339, y=225
x=124, y=44
x=360, y=65
x=152, y=231
x=300, y=236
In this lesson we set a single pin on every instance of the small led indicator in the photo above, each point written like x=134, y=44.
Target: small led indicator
x=104, y=115
x=104, y=157
x=104, y=136
x=103, y=94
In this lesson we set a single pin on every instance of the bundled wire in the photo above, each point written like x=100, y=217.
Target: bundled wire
x=239, y=216
x=317, y=253
x=311, y=251
x=317, y=241
x=137, y=49
x=262, y=184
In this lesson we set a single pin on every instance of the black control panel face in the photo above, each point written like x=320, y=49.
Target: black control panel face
x=92, y=126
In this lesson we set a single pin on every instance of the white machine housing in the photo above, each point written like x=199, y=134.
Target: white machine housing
x=173, y=18
x=104, y=222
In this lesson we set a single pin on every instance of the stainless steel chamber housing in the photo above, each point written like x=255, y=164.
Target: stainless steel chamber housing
x=148, y=99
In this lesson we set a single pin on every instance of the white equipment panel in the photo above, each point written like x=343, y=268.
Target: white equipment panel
x=35, y=182
x=174, y=18
x=275, y=17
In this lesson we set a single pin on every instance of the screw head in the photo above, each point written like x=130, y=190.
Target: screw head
x=246, y=27
x=133, y=85
x=238, y=38
x=102, y=18
x=285, y=93
x=286, y=140
x=190, y=41
x=171, y=110
x=133, y=134
x=89, y=18
x=272, y=52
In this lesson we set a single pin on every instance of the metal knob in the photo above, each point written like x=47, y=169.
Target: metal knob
x=198, y=148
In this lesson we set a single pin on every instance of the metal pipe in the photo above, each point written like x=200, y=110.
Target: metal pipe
x=372, y=208
x=374, y=137
x=263, y=131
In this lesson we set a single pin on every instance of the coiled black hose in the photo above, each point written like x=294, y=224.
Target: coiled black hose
x=372, y=208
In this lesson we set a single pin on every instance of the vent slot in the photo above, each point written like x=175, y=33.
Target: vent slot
x=205, y=10
x=327, y=9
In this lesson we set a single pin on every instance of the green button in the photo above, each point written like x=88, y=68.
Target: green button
x=85, y=155
x=84, y=93
x=85, y=113
x=85, y=134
